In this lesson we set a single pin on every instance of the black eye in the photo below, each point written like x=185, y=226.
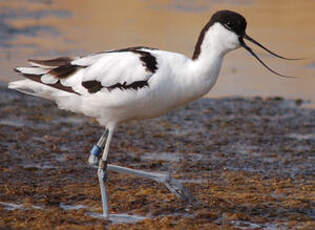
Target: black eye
x=228, y=24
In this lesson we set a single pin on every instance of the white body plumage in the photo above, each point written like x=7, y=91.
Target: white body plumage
x=176, y=80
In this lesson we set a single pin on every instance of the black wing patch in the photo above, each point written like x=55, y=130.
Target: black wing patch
x=135, y=85
x=64, y=71
x=148, y=60
x=92, y=86
x=95, y=86
x=53, y=62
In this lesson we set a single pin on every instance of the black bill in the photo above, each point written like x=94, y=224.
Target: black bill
x=243, y=44
x=268, y=50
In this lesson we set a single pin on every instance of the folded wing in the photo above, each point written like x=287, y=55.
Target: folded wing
x=126, y=69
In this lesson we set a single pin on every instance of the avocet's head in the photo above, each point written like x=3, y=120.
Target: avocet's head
x=228, y=28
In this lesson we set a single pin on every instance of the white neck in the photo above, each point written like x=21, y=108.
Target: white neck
x=205, y=68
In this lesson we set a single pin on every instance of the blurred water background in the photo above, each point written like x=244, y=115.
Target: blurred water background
x=49, y=28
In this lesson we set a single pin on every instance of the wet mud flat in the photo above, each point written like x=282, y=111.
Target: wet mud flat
x=248, y=161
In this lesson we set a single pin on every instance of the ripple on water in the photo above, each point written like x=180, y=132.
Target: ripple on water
x=114, y=218
x=39, y=166
x=247, y=225
x=119, y=218
x=67, y=207
x=171, y=156
x=197, y=5
x=298, y=136
x=12, y=206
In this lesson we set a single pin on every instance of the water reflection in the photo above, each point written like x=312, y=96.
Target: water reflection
x=9, y=31
x=33, y=28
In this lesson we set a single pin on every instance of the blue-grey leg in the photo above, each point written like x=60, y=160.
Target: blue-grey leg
x=172, y=184
x=102, y=178
x=102, y=173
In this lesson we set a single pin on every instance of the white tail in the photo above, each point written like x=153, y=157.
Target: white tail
x=33, y=88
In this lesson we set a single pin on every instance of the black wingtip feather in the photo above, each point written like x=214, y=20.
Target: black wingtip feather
x=60, y=61
x=64, y=71
x=37, y=78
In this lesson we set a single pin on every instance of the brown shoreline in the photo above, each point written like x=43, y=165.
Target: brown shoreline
x=248, y=161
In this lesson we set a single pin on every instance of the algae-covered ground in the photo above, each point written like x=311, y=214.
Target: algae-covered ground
x=249, y=162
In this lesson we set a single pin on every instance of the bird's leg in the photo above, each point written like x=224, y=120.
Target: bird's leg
x=172, y=184
x=102, y=174
x=97, y=149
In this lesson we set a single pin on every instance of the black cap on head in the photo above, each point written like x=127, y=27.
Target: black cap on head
x=230, y=20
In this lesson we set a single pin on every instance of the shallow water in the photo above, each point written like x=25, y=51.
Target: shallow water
x=119, y=218
x=50, y=28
